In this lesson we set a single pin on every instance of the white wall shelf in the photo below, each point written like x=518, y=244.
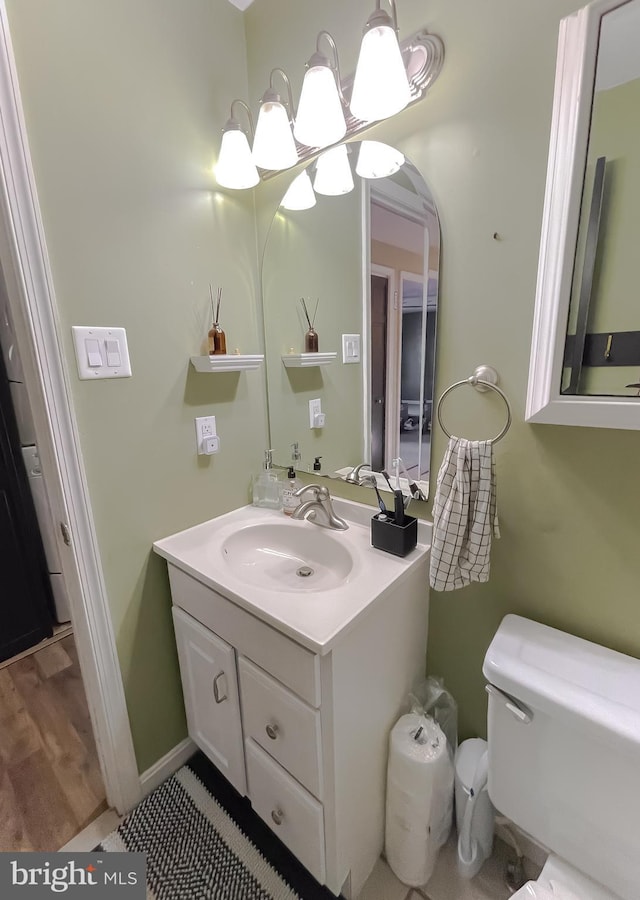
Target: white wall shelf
x=226, y=363
x=304, y=360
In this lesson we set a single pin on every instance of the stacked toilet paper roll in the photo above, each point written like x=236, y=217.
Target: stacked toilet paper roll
x=419, y=798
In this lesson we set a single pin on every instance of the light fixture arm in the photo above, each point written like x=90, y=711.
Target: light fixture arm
x=285, y=78
x=335, y=67
x=236, y=121
x=379, y=17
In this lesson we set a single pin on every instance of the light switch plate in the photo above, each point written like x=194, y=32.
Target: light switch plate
x=97, y=349
x=350, y=348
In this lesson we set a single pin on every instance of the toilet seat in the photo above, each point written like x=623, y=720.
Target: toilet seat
x=560, y=881
x=535, y=890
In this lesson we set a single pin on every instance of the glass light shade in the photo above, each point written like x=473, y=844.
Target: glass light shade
x=235, y=168
x=333, y=172
x=300, y=194
x=378, y=160
x=320, y=120
x=273, y=145
x=380, y=87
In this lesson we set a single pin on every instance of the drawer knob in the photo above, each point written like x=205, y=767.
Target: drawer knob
x=277, y=815
x=272, y=731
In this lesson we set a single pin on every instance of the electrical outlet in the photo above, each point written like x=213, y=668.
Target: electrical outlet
x=205, y=430
x=315, y=409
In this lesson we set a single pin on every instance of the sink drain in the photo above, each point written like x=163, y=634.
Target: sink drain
x=304, y=571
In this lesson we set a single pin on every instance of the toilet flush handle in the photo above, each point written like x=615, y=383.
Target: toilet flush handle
x=521, y=713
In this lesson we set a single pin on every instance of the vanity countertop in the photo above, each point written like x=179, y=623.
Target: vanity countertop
x=315, y=613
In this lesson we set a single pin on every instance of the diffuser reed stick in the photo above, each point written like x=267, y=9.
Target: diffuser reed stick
x=311, y=337
x=216, y=338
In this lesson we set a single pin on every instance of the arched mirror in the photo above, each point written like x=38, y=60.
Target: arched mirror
x=359, y=263
x=585, y=361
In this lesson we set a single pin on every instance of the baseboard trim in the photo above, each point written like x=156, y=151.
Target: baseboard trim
x=166, y=766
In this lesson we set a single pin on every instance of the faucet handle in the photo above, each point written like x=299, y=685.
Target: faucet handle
x=319, y=491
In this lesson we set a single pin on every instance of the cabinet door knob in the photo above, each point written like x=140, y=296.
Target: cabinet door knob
x=216, y=689
x=277, y=815
x=272, y=731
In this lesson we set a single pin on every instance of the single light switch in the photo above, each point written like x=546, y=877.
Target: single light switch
x=350, y=348
x=94, y=357
x=113, y=353
x=101, y=352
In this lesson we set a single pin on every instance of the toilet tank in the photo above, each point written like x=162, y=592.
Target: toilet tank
x=564, y=747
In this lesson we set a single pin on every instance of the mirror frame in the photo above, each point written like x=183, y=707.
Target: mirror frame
x=575, y=77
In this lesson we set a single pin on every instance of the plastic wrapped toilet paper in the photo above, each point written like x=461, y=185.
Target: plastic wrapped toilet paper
x=419, y=798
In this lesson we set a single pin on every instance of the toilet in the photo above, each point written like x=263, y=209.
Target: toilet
x=564, y=757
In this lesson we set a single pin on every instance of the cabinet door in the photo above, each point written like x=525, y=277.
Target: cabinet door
x=210, y=686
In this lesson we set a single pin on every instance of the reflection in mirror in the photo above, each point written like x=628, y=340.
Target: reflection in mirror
x=367, y=260
x=602, y=350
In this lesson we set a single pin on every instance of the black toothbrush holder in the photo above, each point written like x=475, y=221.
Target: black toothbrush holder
x=388, y=535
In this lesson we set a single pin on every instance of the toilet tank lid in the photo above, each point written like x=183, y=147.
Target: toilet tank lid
x=560, y=673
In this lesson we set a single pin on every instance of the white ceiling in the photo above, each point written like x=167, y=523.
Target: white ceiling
x=241, y=4
x=390, y=228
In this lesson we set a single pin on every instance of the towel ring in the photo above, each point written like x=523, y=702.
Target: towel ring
x=484, y=378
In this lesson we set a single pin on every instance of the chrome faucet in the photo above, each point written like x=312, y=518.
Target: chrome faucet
x=354, y=475
x=319, y=510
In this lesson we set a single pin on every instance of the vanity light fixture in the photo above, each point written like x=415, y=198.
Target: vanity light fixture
x=381, y=85
x=321, y=120
x=274, y=146
x=378, y=160
x=235, y=167
x=300, y=194
x=333, y=172
x=389, y=76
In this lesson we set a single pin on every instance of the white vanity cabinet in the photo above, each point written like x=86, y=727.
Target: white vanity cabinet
x=304, y=733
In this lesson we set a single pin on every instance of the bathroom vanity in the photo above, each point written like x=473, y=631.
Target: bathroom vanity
x=293, y=681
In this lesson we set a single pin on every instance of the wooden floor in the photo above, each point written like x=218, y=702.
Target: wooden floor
x=50, y=781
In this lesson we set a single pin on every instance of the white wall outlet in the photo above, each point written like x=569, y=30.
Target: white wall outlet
x=101, y=352
x=350, y=348
x=315, y=409
x=205, y=430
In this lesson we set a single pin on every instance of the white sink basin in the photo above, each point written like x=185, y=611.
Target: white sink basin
x=287, y=557
x=253, y=557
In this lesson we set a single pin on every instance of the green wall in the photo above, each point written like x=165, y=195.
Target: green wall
x=294, y=267
x=567, y=497
x=124, y=102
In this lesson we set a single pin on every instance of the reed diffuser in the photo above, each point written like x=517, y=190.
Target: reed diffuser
x=311, y=336
x=216, y=337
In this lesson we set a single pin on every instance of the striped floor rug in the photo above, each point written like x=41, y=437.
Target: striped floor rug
x=202, y=841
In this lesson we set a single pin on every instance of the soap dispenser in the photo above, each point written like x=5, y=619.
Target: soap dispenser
x=266, y=487
x=289, y=500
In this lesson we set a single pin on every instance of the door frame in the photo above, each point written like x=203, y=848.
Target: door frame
x=393, y=350
x=32, y=302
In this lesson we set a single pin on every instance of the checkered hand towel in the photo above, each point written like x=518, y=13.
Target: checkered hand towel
x=464, y=515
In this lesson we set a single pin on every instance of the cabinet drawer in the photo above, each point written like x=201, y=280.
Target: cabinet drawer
x=294, y=665
x=288, y=809
x=286, y=727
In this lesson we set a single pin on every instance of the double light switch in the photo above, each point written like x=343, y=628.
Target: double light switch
x=101, y=352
